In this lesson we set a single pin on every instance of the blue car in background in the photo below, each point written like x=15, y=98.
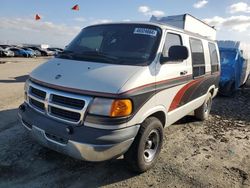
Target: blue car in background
x=235, y=67
x=21, y=52
x=33, y=52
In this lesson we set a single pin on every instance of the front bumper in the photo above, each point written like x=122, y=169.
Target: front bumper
x=83, y=142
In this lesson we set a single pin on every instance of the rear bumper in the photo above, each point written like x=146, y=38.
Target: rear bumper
x=93, y=145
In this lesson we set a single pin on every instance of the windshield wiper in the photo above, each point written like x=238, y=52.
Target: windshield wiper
x=66, y=54
x=100, y=55
x=93, y=55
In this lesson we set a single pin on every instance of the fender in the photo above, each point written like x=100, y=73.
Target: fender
x=153, y=110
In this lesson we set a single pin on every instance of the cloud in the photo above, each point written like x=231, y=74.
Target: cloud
x=236, y=23
x=200, y=4
x=80, y=19
x=215, y=21
x=144, y=9
x=37, y=26
x=148, y=12
x=126, y=20
x=101, y=21
x=239, y=7
x=26, y=30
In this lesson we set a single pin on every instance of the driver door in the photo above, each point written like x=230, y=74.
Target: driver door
x=171, y=75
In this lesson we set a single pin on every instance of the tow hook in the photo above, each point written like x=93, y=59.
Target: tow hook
x=69, y=130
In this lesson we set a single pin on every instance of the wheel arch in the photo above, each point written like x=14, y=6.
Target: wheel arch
x=212, y=90
x=159, y=112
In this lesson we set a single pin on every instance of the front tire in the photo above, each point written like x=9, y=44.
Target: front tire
x=202, y=113
x=145, y=150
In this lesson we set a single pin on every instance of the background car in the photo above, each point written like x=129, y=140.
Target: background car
x=6, y=53
x=38, y=53
x=51, y=52
x=42, y=51
x=4, y=46
x=31, y=51
x=27, y=51
x=20, y=52
x=55, y=50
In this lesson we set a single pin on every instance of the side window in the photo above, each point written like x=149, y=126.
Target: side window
x=171, y=40
x=213, y=58
x=198, y=59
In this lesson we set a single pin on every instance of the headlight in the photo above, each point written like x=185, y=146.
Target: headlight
x=111, y=107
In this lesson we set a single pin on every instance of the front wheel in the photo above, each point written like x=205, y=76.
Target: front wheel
x=202, y=113
x=144, y=152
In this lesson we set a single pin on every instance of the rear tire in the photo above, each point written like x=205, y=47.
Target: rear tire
x=202, y=113
x=145, y=150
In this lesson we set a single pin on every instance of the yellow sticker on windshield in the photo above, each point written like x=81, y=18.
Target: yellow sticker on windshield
x=145, y=31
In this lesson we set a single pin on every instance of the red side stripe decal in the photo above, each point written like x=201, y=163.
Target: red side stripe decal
x=177, y=99
x=155, y=83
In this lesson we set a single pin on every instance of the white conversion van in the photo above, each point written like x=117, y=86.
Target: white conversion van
x=116, y=87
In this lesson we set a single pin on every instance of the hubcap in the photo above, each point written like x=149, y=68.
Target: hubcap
x=151, y=145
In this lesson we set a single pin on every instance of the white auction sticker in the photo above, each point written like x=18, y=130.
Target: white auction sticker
x=145, y=31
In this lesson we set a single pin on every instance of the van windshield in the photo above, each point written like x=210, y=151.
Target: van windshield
x=131, y=44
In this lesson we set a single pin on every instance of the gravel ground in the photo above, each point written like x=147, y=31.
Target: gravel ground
x=214, y=153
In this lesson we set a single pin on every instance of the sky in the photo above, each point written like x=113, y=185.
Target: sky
x=59, y=24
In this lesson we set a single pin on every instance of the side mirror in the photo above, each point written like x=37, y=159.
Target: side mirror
x=175, y=53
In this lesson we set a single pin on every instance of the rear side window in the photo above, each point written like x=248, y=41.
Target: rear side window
x=198, y=59
x=171, y=40
x=213, y=58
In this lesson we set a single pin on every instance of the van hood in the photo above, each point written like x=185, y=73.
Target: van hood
x=84, y=75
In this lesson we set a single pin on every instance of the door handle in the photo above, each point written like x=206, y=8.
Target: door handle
x=183, y=73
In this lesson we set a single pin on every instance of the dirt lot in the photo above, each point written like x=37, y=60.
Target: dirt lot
x=214, y=153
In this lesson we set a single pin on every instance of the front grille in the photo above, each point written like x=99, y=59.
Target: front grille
x=37, y=104
x=39, y=93
x=57, y=104
x=70, y=102
x=68, y=115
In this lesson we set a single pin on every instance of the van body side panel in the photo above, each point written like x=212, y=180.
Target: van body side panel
x=187, y=96
x=184, y=110
x=148, y=102
x=194, y=89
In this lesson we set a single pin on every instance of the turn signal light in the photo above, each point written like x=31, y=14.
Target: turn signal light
x=120, y=108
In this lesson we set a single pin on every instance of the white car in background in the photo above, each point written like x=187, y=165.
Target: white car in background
x=6, y=53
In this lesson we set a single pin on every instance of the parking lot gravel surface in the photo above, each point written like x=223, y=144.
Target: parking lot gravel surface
x=213, y=153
